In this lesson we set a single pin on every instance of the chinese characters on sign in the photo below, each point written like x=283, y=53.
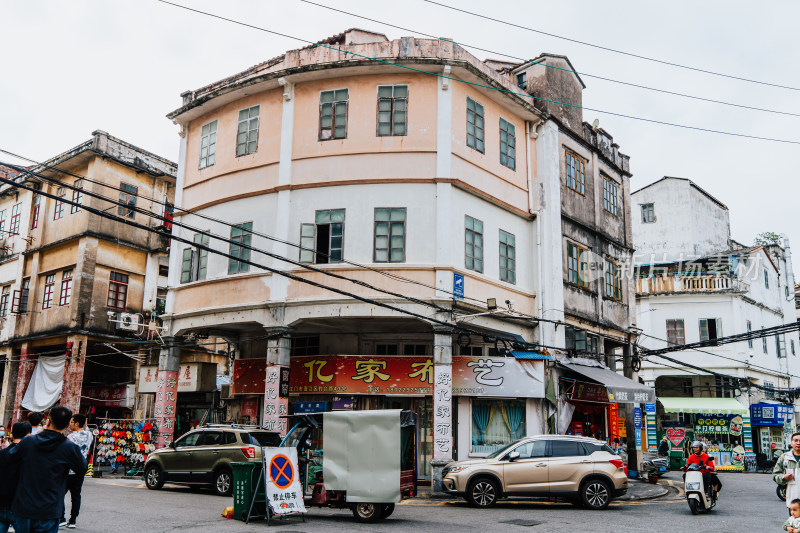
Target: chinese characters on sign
x=275, y=407
x=443, y=413
x=166, y=400
x=284, y=493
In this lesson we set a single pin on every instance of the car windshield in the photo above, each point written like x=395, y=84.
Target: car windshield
x=503, y=450
x=264, y=438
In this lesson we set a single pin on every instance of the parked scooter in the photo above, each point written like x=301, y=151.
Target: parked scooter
x=696, y=495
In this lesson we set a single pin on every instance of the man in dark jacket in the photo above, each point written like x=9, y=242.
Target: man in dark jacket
x=45, y=459
x=9, y=476
x=663, y=448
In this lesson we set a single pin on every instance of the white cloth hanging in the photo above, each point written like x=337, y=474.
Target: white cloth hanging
x=45, y=385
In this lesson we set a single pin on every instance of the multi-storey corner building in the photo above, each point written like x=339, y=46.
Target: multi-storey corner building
x=694, y=283
x=414, y=167
x=72, y=283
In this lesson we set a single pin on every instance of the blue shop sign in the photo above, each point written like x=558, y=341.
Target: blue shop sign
x=310, y=407
x=650, y=408
x=770, y=414
x=637, y=418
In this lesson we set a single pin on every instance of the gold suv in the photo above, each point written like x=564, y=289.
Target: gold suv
x=583, y=470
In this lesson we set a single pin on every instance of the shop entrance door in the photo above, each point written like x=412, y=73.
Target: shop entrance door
x=423, y=408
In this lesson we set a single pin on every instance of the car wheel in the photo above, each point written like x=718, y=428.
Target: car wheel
x=482, y=492
x=595, y=494
x=387, y=510
x=153, y=477
x=368, y=512
x=223, y=482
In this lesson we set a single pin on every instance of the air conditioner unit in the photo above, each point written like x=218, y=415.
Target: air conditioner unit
x=225, y=392
x=128, y=322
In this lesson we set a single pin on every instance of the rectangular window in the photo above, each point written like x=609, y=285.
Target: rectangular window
x=592, y=343
x=473, y=244
x=2, y=222
x=474, y=125
x=247, y=131
x=508, y=257
x=496, y=424
x=415, y=349
x=577, y=265
x=392, y=109
x=386, y=349
x=522, y=80
x=4, y=297
x=117, y=290
x=333, y=114
x=675, y=331
x=66, y=288
x=764, y=343
x=242, y=236
x=49, y=284
x=127, y=197
x=613, y=280
x=576, y=339
x=323, y=241
x=390, y=234
x=194, y=262
x=19, y=300
x=576, y=173
x=710, y=329
x=302, y=346
x=508, y=144
x=470, y=351
x=58, y=209
x=609, y=196
x=648, y=213
x=37, y=202
x=791, y=343
x=749, y=330
x=769, y=393
x=208, y=144
x=766, y=279
x=77, y=197
x=780, y=345
x=13, y=228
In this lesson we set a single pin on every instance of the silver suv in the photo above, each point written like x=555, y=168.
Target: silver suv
x=583, y=470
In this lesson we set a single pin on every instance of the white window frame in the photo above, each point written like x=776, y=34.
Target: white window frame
x=208, y=142
x=244, y=126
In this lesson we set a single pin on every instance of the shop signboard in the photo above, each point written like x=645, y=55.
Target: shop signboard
x=343, y=403
x=650, y=408
x=589, y=392
x=110, y=396
x=250, y=408
x=766, y=414
x=637, y=417
x=192, y=377
x=719, y=424
x=613, y=421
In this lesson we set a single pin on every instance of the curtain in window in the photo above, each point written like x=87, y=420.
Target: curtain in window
x=481, y=414
x=512, y=415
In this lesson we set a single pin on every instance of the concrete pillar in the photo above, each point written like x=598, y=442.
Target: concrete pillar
x=276, y=402
x=634, y=456
x=169, y=363
x=73, y=372
x=442, y=404
x=26, y=365
x=9, y=386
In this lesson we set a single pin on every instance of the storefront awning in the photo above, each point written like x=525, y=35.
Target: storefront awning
x=620, y=389
x=531, y=356
x=702, y=405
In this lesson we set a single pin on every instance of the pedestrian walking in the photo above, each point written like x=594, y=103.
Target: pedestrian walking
x=44, y=459
x=785, y=470
x=36, y=421
x=83, y=438
x=663, y=447
x=9, y=476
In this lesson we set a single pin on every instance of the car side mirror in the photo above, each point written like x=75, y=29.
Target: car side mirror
x=513, y=456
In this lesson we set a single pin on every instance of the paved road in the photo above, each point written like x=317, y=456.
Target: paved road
x=748, y=504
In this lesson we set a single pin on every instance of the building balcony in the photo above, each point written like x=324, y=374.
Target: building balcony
x=688, y=284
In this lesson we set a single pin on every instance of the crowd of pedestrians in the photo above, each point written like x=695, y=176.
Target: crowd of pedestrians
x=38, y=468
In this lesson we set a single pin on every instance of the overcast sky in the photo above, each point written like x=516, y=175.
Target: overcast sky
x=69, y=68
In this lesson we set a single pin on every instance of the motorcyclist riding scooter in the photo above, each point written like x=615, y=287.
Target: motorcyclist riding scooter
x=701, y=469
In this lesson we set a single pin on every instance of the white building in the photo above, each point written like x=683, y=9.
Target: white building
x=696, y=284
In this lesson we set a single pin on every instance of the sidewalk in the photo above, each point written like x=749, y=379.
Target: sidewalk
x=637, y=490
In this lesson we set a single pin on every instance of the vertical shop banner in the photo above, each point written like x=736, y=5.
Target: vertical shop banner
x=650, y=420
x=275, y=407
x=166, y=401
x=284, y=491
x=613, y=421
x=443, y=412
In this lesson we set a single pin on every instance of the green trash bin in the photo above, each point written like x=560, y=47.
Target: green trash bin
x=245, y=478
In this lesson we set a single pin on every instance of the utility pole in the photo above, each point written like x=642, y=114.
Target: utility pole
x=630, y=426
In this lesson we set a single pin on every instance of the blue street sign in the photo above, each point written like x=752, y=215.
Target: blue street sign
x=650, y=408
x=637, y=417
x=458, y=285
x=638, y=439
x=310, y=407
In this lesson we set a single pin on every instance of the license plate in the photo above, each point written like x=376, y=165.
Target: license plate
x=662, y=469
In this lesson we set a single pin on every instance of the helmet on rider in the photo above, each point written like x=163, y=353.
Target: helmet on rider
x=697, y=447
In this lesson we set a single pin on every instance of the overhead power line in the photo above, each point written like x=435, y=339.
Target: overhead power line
x=476, y=84
x=750, y=335
x=554, y=67
x=615, y=50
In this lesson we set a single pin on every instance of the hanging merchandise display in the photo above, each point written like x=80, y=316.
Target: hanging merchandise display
x=125, y=443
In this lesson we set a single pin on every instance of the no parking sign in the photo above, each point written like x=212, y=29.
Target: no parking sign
x=284, y=492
